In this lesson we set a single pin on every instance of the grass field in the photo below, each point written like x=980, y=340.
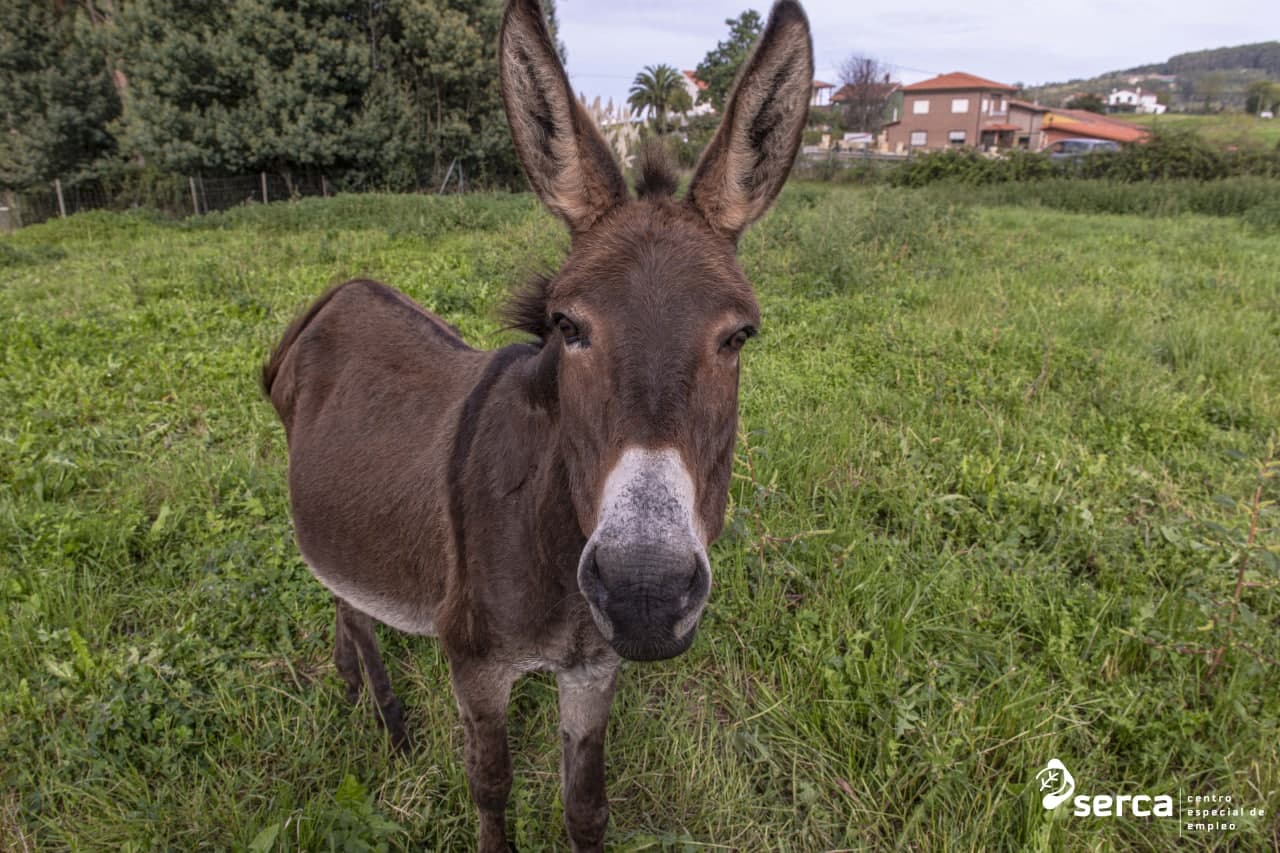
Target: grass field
x=1000, y=470
x=1219, y=128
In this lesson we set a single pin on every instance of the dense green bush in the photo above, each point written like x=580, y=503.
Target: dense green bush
x=1170, y=154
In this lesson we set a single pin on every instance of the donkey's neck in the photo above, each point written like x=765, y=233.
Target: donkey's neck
x=516, y=528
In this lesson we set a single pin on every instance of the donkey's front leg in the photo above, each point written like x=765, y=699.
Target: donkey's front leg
x=585, y=699
x=483, y=691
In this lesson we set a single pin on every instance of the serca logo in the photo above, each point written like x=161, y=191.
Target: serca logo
x=1056, y=783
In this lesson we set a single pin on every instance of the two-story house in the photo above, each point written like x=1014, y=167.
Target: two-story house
x=1136, y=101
x=953, y=110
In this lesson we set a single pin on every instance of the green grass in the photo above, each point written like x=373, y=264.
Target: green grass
x=999, y=470
x=1219, y=128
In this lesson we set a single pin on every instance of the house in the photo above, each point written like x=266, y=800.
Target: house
x=1037, y=126
x=880, y=91
x=953, y=110
x=693, y=86
x=1134, y=100
x=960, y=109
x=821, y=94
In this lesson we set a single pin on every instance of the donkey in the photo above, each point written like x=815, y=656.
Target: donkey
x=544, y=506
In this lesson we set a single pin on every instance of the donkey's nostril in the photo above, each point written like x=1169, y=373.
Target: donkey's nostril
x=589, y=573
x=695, y=578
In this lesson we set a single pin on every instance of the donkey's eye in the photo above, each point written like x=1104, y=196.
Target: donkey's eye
x=568, y=329
x=739, y=338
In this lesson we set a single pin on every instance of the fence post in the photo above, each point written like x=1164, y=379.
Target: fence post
x=62, y=205
x=195, y=199
x=15, y=215
x=264, y=187
x=324, y=186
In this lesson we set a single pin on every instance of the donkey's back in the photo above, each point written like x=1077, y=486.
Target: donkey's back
x=369, y=386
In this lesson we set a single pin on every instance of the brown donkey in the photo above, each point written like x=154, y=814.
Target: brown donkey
x=544, y=506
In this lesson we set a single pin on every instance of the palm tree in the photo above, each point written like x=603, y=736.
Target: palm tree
x=660, y=90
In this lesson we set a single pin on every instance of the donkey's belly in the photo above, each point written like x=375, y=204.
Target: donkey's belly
x=413, y=616
x=374, y=530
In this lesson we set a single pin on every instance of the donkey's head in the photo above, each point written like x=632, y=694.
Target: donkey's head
x=643, y=325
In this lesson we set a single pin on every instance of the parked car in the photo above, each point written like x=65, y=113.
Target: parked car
x=1074, y=149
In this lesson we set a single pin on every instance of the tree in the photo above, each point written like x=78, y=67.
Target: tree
x=1210, y=87
x=442, y=68
x=1262, y=95
x=719, y=68
x=660, y=90
x=1090, y=102
x=388, y=96
x=243, y=85
x=56, y=95
x=864, y=93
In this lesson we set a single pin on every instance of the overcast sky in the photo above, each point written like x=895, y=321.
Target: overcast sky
x=1043, y=41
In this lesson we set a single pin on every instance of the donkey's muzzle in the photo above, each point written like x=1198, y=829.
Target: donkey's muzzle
x=646, y=597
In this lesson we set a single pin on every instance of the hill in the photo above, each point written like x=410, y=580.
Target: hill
x=1199, y=81
x=1263, y=56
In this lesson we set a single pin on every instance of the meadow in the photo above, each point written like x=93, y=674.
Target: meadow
x=1226, y=128
x=1005, y=492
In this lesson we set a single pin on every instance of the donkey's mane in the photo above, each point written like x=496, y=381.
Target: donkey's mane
x=526, y=307
x=657, y=172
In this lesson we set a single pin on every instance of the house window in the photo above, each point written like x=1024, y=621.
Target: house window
x=997, y=104
x=959, y=105
x=919, y=138
x=956, y=137
x=920, y=106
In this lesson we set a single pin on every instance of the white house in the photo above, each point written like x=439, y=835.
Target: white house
x=693, y=86
x=1136, y=100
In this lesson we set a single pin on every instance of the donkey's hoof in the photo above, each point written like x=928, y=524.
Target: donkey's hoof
x=391, y=716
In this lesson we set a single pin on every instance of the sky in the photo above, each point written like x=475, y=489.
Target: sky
x=1044, y=41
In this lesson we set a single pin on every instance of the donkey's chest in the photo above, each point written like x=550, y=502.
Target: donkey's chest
x=569, y=645
x=579, y=672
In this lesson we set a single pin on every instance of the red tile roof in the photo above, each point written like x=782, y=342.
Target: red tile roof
x=1085, y=123
x=1001, y=128
x=1028, y=105
x=878, y=90
x=693, y=78
x=957, y=80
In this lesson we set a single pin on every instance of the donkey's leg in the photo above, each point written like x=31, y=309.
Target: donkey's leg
x=345, y=655
x=483, y=691
x=585, y=700
x=359, y=631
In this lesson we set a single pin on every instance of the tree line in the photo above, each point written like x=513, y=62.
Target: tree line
x=374, y=93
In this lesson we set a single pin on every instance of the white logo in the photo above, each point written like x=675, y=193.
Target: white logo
x=1057, y=784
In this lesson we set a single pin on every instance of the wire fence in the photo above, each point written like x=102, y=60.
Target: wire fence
x=177, y=196
x=181, y=196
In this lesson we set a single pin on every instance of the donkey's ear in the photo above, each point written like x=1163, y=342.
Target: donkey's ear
x=569, y=164
x=748, y=161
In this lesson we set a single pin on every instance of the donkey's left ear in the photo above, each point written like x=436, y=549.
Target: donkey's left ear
x=743, y=169
x=569, y=164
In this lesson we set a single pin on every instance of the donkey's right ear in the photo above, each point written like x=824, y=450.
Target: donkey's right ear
x=569, y=164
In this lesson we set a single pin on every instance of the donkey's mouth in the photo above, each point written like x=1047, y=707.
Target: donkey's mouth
x=647, y=607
